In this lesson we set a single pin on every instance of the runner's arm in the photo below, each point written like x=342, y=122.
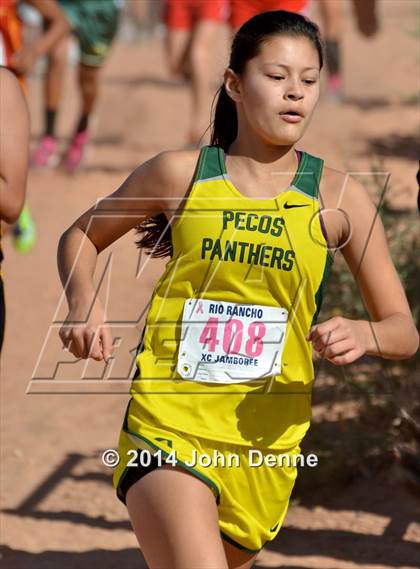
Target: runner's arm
x=391, y=333
x=85, y=332
x=14, y=146
x=135, y=200
x=58, y=26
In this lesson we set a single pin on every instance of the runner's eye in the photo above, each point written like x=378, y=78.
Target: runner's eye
x=276, y=77
x=309, y=81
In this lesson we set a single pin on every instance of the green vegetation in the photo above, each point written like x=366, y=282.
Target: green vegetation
x=361, y=410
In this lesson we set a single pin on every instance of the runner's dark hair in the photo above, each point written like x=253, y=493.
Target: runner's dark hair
x=155, y=231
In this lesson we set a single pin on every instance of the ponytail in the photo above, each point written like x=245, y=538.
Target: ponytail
x=225, y=123
x=156, y=237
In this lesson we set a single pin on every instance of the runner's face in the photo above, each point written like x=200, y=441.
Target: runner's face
x=280, y=88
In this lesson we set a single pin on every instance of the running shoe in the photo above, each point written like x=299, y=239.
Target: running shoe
x=76, y=151
x=24, y=232
x=44, y=155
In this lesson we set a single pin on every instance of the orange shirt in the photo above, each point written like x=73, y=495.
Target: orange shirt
x=243, y=10
x=11, y=39
x=183, y=14
x=10, y=31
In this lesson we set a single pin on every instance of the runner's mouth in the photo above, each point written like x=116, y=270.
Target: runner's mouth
x=293, y=113
x=291, y=116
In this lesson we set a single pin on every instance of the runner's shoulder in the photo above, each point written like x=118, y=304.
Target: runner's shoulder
x=342, y=189
x=175, y=170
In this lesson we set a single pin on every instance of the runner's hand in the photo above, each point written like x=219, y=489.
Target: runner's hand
x=23, y=61
x=339, y=340
x=87, y=337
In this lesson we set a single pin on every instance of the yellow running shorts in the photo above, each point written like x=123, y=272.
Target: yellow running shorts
x=252, y=486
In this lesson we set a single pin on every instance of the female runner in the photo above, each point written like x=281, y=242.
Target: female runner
x=14, y=149
x=225, y=365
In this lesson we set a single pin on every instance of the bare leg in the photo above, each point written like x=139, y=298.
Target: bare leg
x=238, y=559
x=88, y=82
x=366, y=16
x=175, y=519
x=332, y=28
x=57, y=62
x=204, y=34
x=45, y=154
x=331, y=18
x=176, y=45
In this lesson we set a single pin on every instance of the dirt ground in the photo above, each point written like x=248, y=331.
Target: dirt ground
x=59, y=508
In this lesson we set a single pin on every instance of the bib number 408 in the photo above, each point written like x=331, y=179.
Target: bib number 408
x=233, y=336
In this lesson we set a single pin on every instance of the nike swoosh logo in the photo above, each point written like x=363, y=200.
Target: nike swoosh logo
x=289, y=206
x=275, y=527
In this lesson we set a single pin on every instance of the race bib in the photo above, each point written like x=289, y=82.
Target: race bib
x=227, y=342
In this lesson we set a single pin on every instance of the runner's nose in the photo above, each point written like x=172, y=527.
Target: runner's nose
x=294, y=91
